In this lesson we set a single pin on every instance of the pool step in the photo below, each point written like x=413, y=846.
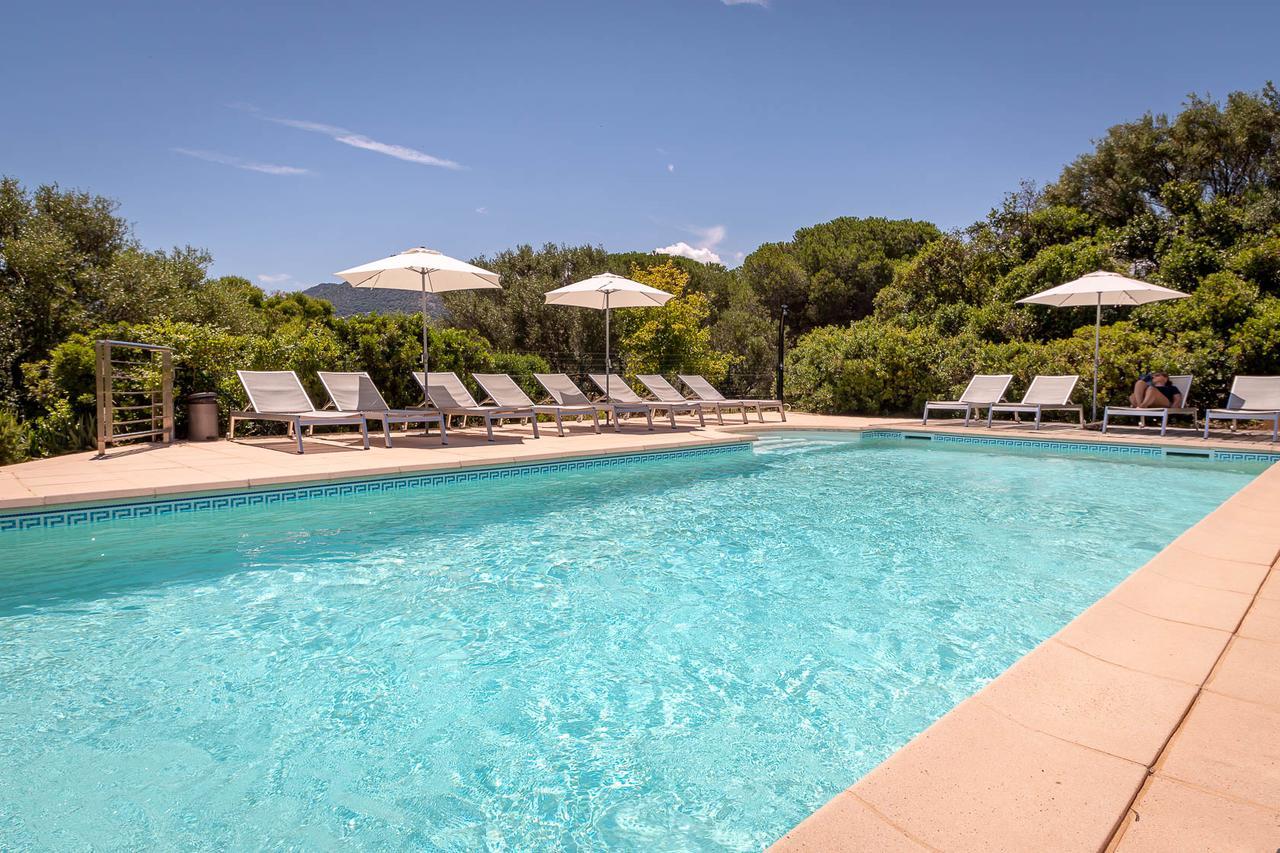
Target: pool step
x=785, y=445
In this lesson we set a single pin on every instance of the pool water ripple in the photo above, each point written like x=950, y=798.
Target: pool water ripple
x=683, y=655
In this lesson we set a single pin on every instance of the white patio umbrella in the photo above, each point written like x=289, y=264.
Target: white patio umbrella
x=421, y=269
x=605, y=292
x=1098, y=289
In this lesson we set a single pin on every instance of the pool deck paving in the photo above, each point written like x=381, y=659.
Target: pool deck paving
x=1150, y=722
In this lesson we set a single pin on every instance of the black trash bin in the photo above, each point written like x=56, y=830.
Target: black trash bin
x=202, y=416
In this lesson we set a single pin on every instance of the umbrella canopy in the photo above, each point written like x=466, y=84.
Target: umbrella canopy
x=419, y=269
x=605, y=292
x=1102, y=288
x=424, y=270
x=1098, y=289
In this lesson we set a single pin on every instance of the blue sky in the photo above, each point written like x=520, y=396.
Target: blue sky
x=295, y=139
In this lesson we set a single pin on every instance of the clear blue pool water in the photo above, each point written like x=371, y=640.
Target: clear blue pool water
x=677, y=655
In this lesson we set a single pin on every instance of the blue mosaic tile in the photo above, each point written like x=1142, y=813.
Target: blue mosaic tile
x=1126, y=450
x=51, y=519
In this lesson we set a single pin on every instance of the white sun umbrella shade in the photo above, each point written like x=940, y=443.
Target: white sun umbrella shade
x=1097, y=289
x=424, y=270
x=605, y=292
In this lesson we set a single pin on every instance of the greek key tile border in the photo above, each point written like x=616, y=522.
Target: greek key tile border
x=56, y=518
x=1123, y=450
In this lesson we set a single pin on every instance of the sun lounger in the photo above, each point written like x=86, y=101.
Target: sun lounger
x=278, y=395
x=355, y=392
x=620, y=392
x=504, y=391
x=659, y=387
x=563, y=390
x=703, y=390
x=982, y=391
x=1183, y=384
x=1045, y=394
x=447, y=394
x=1252, y=398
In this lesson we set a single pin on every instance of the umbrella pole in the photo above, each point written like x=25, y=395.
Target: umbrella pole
x=1097, y=333
x=607, y=371
x=426, y=398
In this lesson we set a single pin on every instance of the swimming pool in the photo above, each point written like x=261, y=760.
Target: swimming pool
x=691, y=653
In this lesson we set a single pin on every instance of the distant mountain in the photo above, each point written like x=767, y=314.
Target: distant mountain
x=348, y=300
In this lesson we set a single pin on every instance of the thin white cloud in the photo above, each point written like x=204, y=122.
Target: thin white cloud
x=240, y=163
x=762, y=3
x=482, y=210
x=705, y=250
x=671, y=167
x=359, y=140
x=274, y=278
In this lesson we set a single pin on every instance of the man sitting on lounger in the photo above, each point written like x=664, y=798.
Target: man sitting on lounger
x=1155, y=391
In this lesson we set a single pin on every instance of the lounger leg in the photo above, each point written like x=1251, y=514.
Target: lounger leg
x=967, y=412
x=364, y=432
x=702, y=422
x=1037, y=420
x=231, y=430
x=720, y=415
x=444, y=430
x=1105, y=415
x=536, y=434
x=1206, y=428
x=744, y=413
x=671, y=413
x=990, y=414
x=297, y=433
x=1275, y=429
x=1164, y=424
x=488, y=426
x=560, y=425
x=386, y=433
x=648, y=416
x=760, y=412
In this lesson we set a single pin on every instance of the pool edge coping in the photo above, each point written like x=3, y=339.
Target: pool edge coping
x=11, y=517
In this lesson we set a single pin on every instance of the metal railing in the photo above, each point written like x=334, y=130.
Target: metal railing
x=135, y=392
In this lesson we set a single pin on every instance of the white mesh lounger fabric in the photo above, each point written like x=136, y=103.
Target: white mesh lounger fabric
x=659, y=387
x=982, y=391
x=278, y=395
x=355, y=392
x=447, y=393
x=504, y=391
x=704, y=390
x=1182, y=383
x=563, y=390
x=1044, y=394
x=620, y=392
x=1252, y=398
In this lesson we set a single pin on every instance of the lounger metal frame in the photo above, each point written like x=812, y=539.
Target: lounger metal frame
x=380, y=411
x=457, y=402
x=514, y=395
x=620, y=392
x=1263, y=391
x=1055, y=399
x=984, y=390
x=704, y=390
x=1183, y=383
x=296, y=420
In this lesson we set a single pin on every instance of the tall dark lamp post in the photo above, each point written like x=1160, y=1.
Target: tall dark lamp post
x=782, y=345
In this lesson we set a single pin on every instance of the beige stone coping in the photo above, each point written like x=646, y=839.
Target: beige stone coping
x=1150, y=722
